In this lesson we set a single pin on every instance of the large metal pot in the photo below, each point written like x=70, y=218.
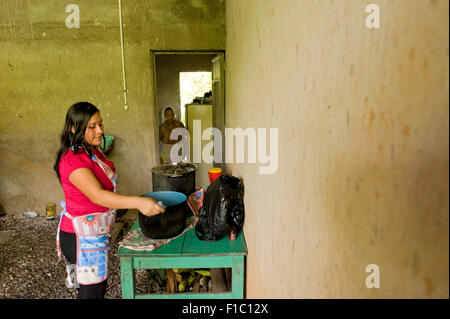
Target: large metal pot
x=168, y=224
x=174, y=177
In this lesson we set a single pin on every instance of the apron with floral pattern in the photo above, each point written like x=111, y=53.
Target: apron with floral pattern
x=92, y=235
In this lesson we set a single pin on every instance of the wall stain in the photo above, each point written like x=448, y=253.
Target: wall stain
x=372, y=116
x=406, y=131
x=411, y=54
x=429, y=286
x=366, y=100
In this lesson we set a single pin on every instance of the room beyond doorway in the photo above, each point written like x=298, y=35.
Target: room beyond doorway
x=184, y=78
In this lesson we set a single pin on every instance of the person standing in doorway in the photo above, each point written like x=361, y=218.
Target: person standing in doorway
x=170, y=123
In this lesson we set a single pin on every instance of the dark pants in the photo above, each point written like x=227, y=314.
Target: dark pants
x=68, y=244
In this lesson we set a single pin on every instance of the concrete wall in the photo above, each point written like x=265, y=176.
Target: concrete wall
x=47, y=67
x=363, y=145
x=168, y=68
x=362, y=117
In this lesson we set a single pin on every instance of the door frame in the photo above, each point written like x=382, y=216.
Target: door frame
x=153, y=54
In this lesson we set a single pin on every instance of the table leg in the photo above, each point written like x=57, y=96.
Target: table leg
x=127, y=278
x=237, y=281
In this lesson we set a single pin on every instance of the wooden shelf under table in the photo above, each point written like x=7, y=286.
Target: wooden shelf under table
x=186, y=251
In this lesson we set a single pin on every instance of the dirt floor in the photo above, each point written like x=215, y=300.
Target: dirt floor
x=29, y=267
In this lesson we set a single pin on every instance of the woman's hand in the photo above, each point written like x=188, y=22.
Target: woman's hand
x=149, y=207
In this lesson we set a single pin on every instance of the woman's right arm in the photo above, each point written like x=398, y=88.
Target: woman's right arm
x=87, y=183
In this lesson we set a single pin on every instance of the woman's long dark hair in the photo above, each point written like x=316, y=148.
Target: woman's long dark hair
x=77, y=117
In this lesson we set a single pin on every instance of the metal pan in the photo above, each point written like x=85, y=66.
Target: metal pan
x=168, y=224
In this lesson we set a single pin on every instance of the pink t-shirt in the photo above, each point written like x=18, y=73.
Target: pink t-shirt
x=77, y=204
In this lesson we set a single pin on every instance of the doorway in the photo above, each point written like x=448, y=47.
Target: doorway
x=188, y=82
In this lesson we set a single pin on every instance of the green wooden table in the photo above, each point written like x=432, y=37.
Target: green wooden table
x=187, y=251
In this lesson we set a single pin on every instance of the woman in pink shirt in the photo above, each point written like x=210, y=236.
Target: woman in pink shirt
x=88, y=180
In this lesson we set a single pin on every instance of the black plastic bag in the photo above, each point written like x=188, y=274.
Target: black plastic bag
x=222, y=210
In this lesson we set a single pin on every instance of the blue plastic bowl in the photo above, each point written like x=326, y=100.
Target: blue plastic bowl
x=109, y=140
x=170, y=223
x=167, y=198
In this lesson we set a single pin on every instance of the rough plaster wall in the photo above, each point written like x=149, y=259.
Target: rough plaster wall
x=168, y=68
x=363, y=146
x=46, y=67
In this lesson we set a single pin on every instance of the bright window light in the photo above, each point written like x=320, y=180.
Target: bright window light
x=193, y=84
